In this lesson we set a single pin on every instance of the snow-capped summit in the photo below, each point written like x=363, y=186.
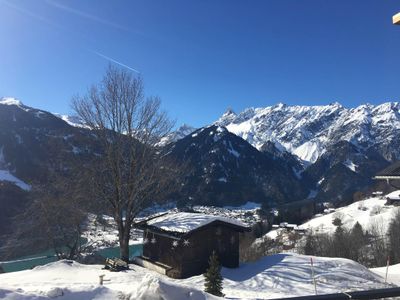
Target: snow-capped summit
x=307, y=131
x=228, y=116
x=176, y=135
x=10, y=101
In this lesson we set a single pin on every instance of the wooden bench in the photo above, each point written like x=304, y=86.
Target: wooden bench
x=116, y=265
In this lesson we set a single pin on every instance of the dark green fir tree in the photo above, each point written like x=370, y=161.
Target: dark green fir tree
x=213, y=278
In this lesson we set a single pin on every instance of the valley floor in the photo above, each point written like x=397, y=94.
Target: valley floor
x=273, y=276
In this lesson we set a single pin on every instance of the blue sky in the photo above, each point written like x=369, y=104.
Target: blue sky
x=203, y=56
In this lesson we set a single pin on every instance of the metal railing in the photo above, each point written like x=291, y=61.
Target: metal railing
x=370, y=294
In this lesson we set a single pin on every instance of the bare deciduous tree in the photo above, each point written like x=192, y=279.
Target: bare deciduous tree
x=53, y=220
x=394, y=237
x=379, y=244
x=129, y=173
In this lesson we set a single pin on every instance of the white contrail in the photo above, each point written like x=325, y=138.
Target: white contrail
x=90, y=16
x=30, y=14
x=114, y=61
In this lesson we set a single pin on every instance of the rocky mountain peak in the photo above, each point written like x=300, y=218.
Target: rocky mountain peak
x=10, y=101
x=307, y=131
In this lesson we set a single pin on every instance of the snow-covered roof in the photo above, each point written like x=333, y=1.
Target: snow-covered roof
x=184, y=222
x=394, y=195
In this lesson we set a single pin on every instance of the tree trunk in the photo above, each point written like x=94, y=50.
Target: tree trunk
x=124, y=243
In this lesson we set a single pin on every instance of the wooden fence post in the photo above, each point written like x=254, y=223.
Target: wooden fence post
x=387, y=268
x=313, y=275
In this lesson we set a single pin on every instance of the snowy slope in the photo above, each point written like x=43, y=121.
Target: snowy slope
x=367, y=212
x=306, y=131
x=393, y=274
x=72, y=120
x=273, y=276
x=77, y=281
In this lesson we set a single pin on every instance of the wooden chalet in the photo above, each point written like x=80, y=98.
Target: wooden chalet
x=289, y=227
x=179, y=244
x=393, y=198
x=391, y=174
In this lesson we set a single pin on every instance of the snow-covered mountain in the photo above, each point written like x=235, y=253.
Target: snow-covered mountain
x=176, y=135
x=307, y=131
x=224, y=169
x=33, y=143
x=72, y=120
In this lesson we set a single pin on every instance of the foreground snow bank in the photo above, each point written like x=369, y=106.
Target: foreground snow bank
x=153, y=288
x=286, y=275
x=67, y=280
x=393, y=275
x=274, y=276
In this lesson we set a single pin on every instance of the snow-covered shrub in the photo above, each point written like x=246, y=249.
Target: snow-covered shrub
x=375, y=210
x=337, y=222
x=55, y=292
x=361, y=206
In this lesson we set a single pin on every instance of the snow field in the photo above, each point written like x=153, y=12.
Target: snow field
x=273, y=276
x=369, y=212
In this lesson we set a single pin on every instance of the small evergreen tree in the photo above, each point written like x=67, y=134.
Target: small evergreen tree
x=340, y=245
x=213, y=278
x=357, y=241
x=337, y=222
x=310, y=246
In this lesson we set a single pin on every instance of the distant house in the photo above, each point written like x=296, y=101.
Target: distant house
x=393, y=198
x=289, y=227
x=391, y=174
x=180, y=244
x=378, y=194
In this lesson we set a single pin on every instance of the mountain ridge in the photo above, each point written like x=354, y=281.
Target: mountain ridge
x=306, y=131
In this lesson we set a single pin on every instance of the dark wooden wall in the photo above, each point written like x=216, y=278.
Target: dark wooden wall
x=162, y=250
x=192, y=259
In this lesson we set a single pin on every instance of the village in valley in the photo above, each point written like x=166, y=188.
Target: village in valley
x=115, y=201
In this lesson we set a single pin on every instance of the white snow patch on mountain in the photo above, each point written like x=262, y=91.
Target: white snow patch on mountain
x=72, y=120
x=5, y=175
x=309, y=151
x=233, y=151
x=349, y=164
